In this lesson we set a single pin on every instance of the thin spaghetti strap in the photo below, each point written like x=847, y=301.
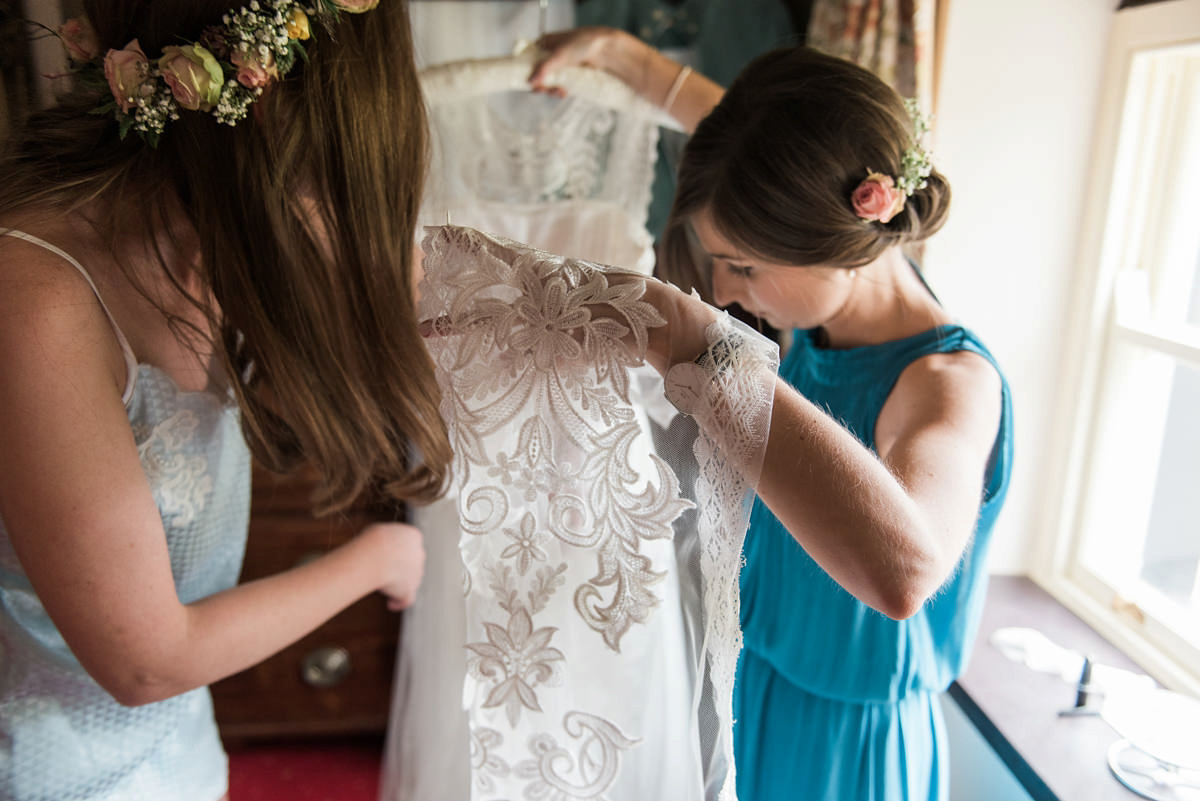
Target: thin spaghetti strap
x=130, y=360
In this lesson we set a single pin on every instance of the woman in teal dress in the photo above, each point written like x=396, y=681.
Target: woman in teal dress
x=833, y=696
x=890, y=445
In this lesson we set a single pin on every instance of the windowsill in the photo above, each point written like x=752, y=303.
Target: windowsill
x=1016, y=709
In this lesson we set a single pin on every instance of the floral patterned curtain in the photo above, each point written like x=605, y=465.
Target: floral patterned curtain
x=892, y=38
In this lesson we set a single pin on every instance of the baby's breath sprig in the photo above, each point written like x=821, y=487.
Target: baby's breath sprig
x=151, y=114
x=234, y=103
x=261, y=30
x=916, y=163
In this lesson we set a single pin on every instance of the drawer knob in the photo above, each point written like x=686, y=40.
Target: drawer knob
x=325, y=667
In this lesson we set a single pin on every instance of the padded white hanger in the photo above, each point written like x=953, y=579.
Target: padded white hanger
x=458, y=80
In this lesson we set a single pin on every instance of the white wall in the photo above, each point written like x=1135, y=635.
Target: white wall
x=1019, y=93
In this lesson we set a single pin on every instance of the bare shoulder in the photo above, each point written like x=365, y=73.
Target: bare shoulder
x=957, y=393
x=958, y=373
x=50, y=315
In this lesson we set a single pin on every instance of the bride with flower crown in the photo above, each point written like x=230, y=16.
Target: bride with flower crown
x=200, y=250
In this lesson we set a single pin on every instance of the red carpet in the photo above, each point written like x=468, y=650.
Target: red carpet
x=343, y=770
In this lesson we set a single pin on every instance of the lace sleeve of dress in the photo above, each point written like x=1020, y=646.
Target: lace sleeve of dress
x=601, y=540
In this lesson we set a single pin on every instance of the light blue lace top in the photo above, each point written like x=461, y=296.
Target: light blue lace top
x=62, y=737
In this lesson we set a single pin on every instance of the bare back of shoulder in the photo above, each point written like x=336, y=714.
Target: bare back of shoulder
x=51, y=315
x=139, y=304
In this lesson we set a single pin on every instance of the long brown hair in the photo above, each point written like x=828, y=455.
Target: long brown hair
x=777, y=160
x=305, y=213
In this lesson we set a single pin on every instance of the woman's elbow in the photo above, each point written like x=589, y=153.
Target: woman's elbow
x=902, y=603
x=903, y=596
x=139, y=691
x=132, y=684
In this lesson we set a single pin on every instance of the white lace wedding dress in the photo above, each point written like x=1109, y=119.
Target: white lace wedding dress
x=576, y=634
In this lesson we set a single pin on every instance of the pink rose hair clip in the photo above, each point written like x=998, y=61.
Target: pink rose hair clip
x=880, y=197
x=222, y=74
x=877, y=198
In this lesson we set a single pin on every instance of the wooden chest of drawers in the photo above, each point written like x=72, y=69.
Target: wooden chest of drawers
x=335, y=681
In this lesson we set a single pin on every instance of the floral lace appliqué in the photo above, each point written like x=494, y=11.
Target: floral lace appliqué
x=180, y=477
x=571, y=523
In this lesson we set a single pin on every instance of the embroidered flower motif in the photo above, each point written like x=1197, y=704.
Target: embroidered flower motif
x=526, y=544
x=548, y=314
x=520, y=658
x=128, y=72
x=194, y=76
x=79, y=38
x=877, y=198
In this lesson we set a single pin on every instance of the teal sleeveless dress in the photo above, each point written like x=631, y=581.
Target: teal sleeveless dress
x=835, y=701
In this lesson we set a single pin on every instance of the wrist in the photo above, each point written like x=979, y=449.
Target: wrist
x=627, y=57
x=364, y=553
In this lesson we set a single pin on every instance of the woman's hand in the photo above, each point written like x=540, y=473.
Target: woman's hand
x=400, y=552
x=687, y=96
x=592, y=46
x=684, y=337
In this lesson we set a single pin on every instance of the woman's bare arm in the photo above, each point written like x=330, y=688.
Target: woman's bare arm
x=81, y=517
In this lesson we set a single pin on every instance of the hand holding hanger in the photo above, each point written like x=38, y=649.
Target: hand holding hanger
x=682, y=93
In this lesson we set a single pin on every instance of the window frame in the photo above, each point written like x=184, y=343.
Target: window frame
x=1103, y=316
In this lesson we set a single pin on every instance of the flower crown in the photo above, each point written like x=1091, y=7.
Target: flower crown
x=221, y=74
x=881, y=197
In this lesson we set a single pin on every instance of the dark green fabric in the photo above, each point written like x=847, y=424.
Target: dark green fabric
x=720, y=36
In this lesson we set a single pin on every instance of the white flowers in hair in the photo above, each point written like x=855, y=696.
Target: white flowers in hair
x=916, y=163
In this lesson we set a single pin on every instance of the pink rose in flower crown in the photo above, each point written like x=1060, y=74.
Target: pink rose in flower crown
x=254, y=72
x=79, y=38
x=128, y=71
x=877, y=198
x=194, y=76
x=356, y=6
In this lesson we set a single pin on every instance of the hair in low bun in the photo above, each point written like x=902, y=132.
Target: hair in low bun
x=927, y=208
x=778, y=160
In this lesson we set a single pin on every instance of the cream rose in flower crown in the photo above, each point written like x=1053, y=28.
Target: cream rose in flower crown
x=194, y=76
x=222, y=74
